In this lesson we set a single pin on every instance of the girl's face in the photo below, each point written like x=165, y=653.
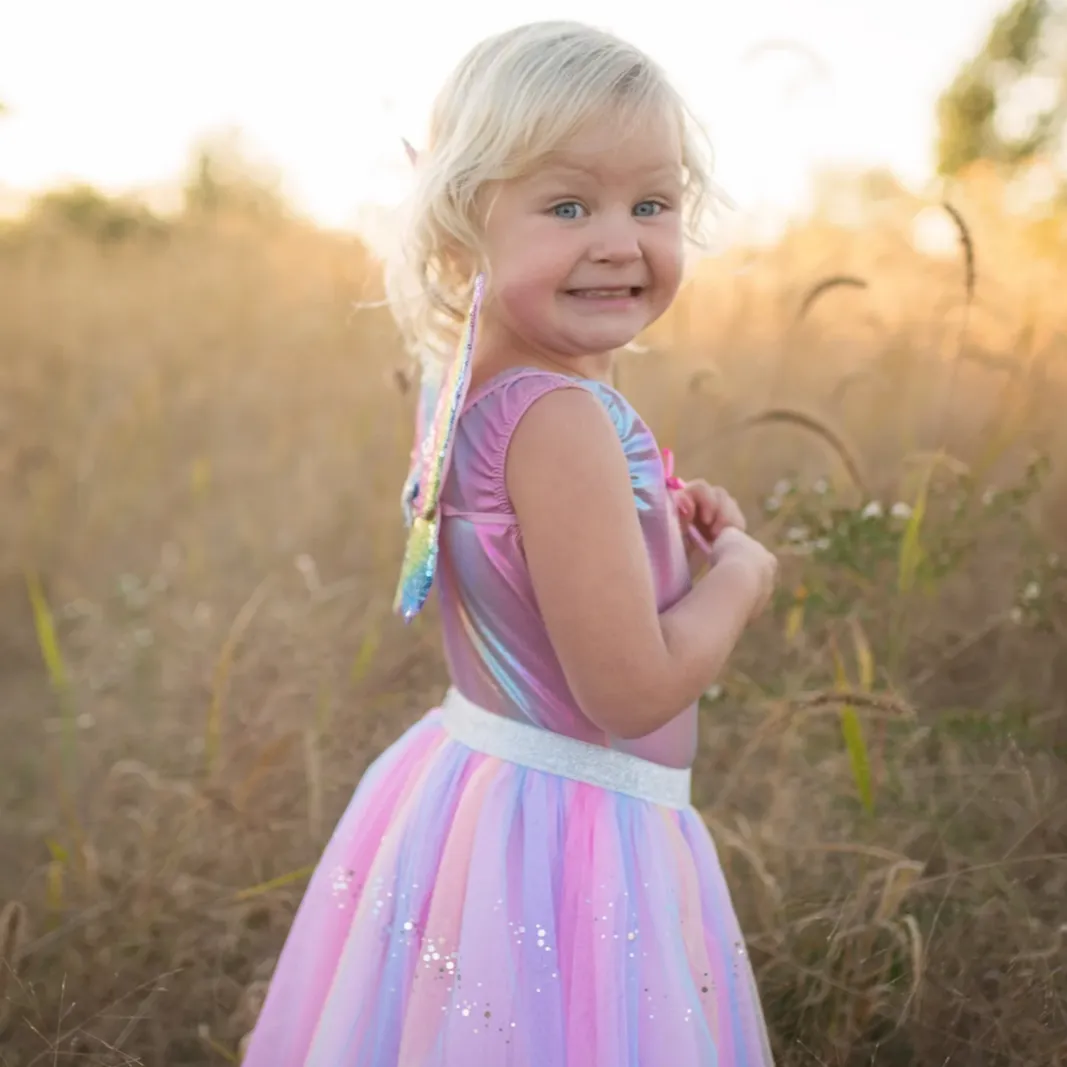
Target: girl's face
x=587, y=250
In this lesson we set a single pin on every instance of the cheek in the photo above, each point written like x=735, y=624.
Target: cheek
x=526, y=282
x=521, y=298
x=668, y=262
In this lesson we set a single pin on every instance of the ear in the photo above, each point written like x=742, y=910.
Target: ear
x=413, y=156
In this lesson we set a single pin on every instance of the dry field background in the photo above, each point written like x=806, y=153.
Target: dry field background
x=202, y=441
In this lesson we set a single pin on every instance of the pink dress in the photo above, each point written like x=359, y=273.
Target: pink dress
x=470, y=911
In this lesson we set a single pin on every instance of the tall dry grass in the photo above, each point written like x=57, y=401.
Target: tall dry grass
x=201, y=449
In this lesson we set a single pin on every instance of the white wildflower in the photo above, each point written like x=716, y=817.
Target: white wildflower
x=79, y=609
x=821, y=486
x=714, y=693
x=783, y=488
x=1016, y=615
x=873, y=510
x=1031, y=593
x=988, y=497
x=822, y=544
x=796, y=534
x=772, y=504
x=900, y=510
x=133, y=592
x=309, y=571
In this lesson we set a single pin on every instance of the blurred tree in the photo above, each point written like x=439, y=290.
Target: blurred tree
x=1008, y=104
x=91, y=213
x=223, y=179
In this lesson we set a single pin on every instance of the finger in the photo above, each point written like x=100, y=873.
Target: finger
x=710, y=503
x=729, y=514
x=735, y=515
x=691, y=501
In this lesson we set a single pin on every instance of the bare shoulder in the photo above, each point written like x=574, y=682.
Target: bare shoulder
x=570, y=488
x=566, y=436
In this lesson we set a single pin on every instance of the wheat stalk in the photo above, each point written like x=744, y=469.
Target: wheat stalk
x=970, y=278
x=790, y=417
x=875, y=701
x=819, y=289
x=14, y=927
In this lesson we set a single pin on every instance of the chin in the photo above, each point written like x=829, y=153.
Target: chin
x=594, y=335
x=606, y=339
x=608, y=342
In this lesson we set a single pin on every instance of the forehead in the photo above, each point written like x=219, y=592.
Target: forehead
x=617, y=150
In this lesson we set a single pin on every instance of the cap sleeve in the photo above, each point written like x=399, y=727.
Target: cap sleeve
x=477, y=486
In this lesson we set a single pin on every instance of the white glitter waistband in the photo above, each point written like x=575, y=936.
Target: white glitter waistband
x=542, y=750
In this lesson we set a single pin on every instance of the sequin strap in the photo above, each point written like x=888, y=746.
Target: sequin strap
x=542, y=750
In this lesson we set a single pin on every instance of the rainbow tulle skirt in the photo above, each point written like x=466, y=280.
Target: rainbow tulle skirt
x=495, y=899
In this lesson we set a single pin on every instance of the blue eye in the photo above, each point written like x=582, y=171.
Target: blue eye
x=569, y=209
x=647, y=209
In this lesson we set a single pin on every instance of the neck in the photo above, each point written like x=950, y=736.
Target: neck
x=497, y=350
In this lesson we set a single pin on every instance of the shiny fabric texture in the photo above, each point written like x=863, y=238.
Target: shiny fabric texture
x=470, y=911
x=498, y=650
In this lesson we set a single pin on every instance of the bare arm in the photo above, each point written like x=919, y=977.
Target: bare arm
x=631, y=669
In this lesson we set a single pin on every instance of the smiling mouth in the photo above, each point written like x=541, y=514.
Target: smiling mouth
x=618, y=293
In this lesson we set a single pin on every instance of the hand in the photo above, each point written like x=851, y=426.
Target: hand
x=736, y=546
x=709, y=508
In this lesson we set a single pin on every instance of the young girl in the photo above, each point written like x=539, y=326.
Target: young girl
x=520, y=880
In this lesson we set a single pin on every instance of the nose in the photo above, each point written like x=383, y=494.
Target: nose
x=616, y=239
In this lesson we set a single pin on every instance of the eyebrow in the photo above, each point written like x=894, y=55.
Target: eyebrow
x=558, y=166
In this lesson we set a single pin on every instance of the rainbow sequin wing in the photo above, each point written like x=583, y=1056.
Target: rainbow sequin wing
x=430, y=471
x=430, y=377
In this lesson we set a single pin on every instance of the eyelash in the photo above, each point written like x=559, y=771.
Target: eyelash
x=658, y=204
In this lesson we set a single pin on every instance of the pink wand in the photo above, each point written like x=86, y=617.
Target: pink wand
x=677, y=488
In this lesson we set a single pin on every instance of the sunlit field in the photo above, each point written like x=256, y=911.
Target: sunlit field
x=203, y=435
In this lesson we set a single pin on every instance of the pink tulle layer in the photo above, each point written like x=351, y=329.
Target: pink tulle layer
x=469, y=912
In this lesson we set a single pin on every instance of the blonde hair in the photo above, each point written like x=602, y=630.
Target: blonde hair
x=513, y=100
